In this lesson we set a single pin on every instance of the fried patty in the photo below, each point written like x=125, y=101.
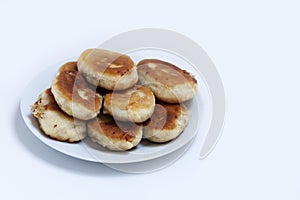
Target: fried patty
x=167, y=122
x=73, y=95
x=54, y=122
x=168, y=82
x=114, y=135
x=135, y=104
x=108, y=69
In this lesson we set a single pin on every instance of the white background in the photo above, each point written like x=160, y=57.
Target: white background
x=255, y=46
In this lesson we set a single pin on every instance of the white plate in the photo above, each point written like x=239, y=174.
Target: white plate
x=200, y=108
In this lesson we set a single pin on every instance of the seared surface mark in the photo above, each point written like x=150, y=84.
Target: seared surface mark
x=135, y=104
x=54, y=122
x=165, y=73
x=142, y=98
x=136, y=98
x=165, y=116
x=74, y=87
x=106, y=62
x=39, y=107
x=125, y=131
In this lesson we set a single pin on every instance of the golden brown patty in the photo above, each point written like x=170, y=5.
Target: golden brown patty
x=135, y=104
x=166, y=123
x=168, y=82
x=108, y=69
x=73, y=94
x=54, y=122
x=117, y=136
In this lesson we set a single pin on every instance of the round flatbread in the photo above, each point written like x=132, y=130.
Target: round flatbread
x=167, y=122
x=73, y=95
x=108, y=69
x=54, y=122
x=135, y=104
x=116, y=136
x=168, y=82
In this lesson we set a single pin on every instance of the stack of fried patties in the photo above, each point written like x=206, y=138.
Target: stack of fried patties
x=116, y=103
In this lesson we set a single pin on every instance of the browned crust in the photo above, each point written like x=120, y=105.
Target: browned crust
x=101, y=61
x=38, y=109
x=135, y=102
x=51, y=105
x=165, y=73
x=165, y=116
x=117, y=97
x=125, y=131
x=59, y=138
x=70, y=83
